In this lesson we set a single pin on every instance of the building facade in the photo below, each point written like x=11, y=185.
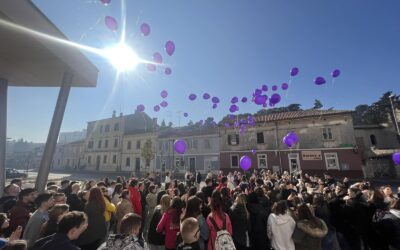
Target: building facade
x=67, y=137
x=69, y=156
x=326, y=143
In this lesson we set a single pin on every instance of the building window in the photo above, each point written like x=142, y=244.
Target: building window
x=115, y=143
x=234, y=161
x=177, y=162
x=116, y=127
x=327, y=134
x=107, y=129
x=114, y=159
x=373, y=140
x=138, y=144
x=101, y=129
x=128, y=161
x=90, y=144
x=99, y=144
x=106, y=143
x=89, y=159
x=68, y=162
x=160, y=146
x=331, y=161
x=262, y=160
x=105, y=159
x=207, y=143
x=260, y=137
x=129, y=146
x=233, y=139
x=194, y=144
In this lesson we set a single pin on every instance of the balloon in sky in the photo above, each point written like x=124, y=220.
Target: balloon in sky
x=156, y=108
x=105, y=2
x=164, y=104
x=206, y=96
x=253, y=151
x=215, y=99
x=244, y=99
x=274, y=88
x=257, y=92
x=264, y=87
x=290, y=139
x=294, y=71
x=214, y=106
x=192, y=97
x=157, y=58
x=151, y=67
x=226, y=125
x=233, y=108
x=168, y=71
x=319, y=80
x=285, y=86
x=145, y=29
x=260, y=99
x=396, y=158
x=170, y=48
x=140, y=108
x=164, y=94
x=275, y=98
x=111, y=23
x=180, y=146
x=245, y=162
x=234, y=99
x=185, y=114
x=335, y=73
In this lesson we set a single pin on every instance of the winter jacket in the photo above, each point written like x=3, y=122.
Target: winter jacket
x=258, y=221
x=308, y=237
x=55, y=241
x=154, y=237
x=151, y=200
x=213, y=231
x=204, y=232
x=123, y=242
x=97, y=228
x=110, y=209
x=75, y=204
x=124, y=207
x=165, y=225
x=280, y=230
x=240, y=225
x=191, y=246
x=388, y=227
x=135, y=197
x=34, y=225
x=19, y=216
x=6, y=203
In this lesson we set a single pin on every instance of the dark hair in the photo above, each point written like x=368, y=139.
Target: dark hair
x=101, y=184
x=280, y=207
x=133, y=183
x=192, y=207
x=42, y=198
x=192, y=191
x=224, y=192
x=175, y=210
x=64, y=182
x=3, y=218
x=96, y=197
x=13, y=181
x=71, y=220
x=124, y=194
x=117, y=190
x=224, y=179
x=167, y=185
x=119, y=179
x=208, y=180
x=217, y=203
x=6, y=189
x=396, y=204
x=304, y=213
x=50, y=226
x=151, y=188
x=25, y=192
x=129, y=222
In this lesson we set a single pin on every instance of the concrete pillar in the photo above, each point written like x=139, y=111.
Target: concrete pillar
x=3, y=132
x=53, y=132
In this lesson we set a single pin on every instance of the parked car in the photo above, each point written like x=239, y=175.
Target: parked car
x=14, y=173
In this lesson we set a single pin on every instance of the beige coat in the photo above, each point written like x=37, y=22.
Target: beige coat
x=124, y=207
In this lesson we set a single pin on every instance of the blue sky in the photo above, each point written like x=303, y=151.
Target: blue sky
x=225, y=48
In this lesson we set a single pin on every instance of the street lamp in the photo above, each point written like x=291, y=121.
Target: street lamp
x=394, y=114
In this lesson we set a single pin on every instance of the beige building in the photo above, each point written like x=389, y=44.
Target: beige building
x=69, y=156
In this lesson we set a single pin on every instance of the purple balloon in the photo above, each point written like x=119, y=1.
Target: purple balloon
x=335, y=73
x=156, y=108
x=192, y=97
x=319, y=80
x=285, y=86
x=157, y=58
x=111, y=23
x=180, y=146
x=215, y=99
x=105, y=2
x=257, y=92
x=214, y=106
x=168, y=71
x=264, y=87
x=170, y=47
x=206, y=96
x=294, y=71
x=254, y=152
x=265, y=105
x=164, y=94
x=260, y=99
x=274, y=88
x=396, y=158
x=245, y=162
x=230, y=116
x=244, y=99
x=275, y=98
x=290, y=139
x=151, y=67
x=164, y=104
x=234, y=99
x=145, y=29
x=185, y=114
x=226, y=125
x=140, y=108
x=233, y=108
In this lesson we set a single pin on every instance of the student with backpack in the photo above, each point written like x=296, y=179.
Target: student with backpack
x=220, y=225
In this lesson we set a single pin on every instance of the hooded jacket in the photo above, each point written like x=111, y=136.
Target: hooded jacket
x=136, y=200
x=280, y=229
x=55, y=241
x=123, y=242
x=307, y=236
x=240, y=224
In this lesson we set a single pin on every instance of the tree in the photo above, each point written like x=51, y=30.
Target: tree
x=163, y=124
x=170, y=124
x=190, y=123
x=147, y=152
x=317, y=104
x=209, y=122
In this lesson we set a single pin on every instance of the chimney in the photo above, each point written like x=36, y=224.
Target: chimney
x=114, y=114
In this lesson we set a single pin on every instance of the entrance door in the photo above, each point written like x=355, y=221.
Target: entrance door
x=192, y=164
x=137, y=165
x=294, y=162
x=98, y=159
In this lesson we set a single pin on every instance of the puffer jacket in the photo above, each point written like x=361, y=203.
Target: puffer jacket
x=280, y=229
x=123, y=241
x=309, y=237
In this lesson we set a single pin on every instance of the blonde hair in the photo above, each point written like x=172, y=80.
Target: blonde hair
x=188, y=229
x=165, y=203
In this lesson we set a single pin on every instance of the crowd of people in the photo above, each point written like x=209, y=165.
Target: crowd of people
x=257, y=210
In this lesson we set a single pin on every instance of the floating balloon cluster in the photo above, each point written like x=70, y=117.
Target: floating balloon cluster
x=396, y=158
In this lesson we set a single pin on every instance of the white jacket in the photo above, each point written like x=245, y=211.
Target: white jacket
x=280, y=229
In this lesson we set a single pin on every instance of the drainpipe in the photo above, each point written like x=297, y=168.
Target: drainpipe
x=277, y=146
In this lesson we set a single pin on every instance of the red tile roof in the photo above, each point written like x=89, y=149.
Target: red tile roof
x=298, y=114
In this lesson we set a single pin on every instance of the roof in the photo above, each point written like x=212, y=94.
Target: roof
x=299, y=114
x=29, y=59
x=382, y=152
x=186, y=132
x=371, y=126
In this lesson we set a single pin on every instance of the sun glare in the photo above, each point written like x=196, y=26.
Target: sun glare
x=122, y=57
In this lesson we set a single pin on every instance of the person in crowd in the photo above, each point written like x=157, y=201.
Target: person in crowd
x=55, y=214
x=208, y=189
x=205, y=209
x=141, y=188
x=70, y=227
x=65, y=186
x=167, y=177
x=223, y=183
x=90, y=184
x=17, y=182
x=389, y=197
x=96, y=231
x=169, y=223
x=129, y=237
x=193, y=210
x=32, y=230
x=123, y=207
x=217, y=219
x=309, y=230
x=20, y=213
x=10, y=198
x=16, y=245
x=117, y=191
x=240, y=218
x=4, y=224
x=190, y=232
x=151, y=200
x=157, y=240
x=111, y=188
x=281, y=227
x=135, y=196
x=226, y=199
x=198, y=179
x=74, y=202
x=59, y=198
x=110, y=208
x=258, y=221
